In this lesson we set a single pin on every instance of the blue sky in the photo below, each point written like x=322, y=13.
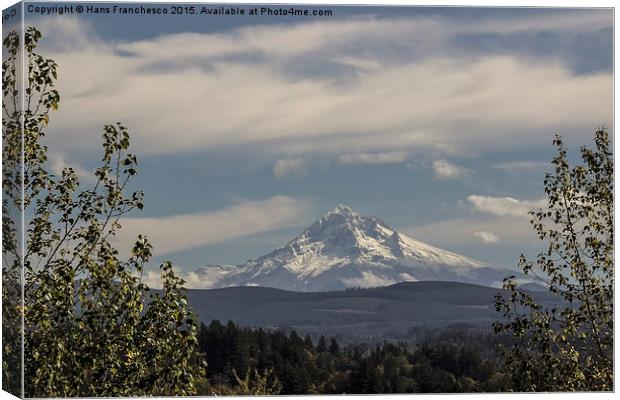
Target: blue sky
x=437, y=120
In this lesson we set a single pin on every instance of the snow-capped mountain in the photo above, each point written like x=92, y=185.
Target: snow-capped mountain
x=346, y=249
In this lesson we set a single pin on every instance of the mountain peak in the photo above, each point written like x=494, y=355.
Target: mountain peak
x=341, y=215
x=345, y=248
x=343, y=209
x=343, y=223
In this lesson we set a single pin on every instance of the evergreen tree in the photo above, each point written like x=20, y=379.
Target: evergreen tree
x=334, y=347
x=308, y=341
x=322, y=346
x=365, y=379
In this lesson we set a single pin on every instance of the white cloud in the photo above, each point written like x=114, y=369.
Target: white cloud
x=66, y=33
x=445, y=170
x=203, y=278
x=504, y=206
x=406, y=277
x=526, y=165
x=497, y=219
x=373, y=158
x=152, y=277
x=529, y=171
x=462, y=231
x=179, y=232
x=267, y=103
x=368, y=279
x=487, y=237
x=361, y=64
x=292, y=168
x=58, y=162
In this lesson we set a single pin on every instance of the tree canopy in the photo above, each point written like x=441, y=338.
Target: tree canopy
x=568, y=347
x=91, y=326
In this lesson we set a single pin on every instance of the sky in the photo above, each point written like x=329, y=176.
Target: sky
x=248, y=129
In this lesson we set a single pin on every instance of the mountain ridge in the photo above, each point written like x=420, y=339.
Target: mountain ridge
x=383, y=312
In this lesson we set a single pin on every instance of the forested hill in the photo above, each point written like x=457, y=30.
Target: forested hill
x=384, y=312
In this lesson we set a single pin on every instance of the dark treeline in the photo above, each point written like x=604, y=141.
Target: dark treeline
x=454, y=361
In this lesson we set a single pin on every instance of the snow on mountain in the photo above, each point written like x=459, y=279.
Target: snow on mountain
x=346, y=249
